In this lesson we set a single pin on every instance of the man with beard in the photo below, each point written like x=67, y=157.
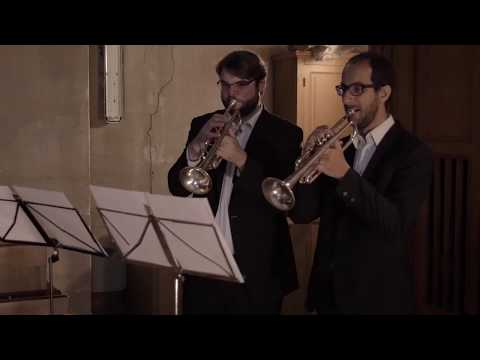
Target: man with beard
x=257, y=234
x=367, y=198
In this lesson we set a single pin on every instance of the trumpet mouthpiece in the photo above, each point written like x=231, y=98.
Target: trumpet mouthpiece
x=351, y=111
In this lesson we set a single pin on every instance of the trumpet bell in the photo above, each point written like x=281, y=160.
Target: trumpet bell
x=278, y=194
x=196, y=180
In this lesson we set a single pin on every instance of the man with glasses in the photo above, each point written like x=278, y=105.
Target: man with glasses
x=367, y=198
x=257, y=234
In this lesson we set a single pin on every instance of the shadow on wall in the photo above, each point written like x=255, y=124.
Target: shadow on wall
x=97, y=86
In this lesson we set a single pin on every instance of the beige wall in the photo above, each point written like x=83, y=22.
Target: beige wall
x=45, y=144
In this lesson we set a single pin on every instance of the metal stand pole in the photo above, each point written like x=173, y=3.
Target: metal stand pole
x=178, y=292
x=52, y=259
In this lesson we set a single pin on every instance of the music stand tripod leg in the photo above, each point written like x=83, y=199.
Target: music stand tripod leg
x=53, y=258
x=179, y=278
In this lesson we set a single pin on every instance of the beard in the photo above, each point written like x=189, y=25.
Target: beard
x=367, y=117
x=247, y=107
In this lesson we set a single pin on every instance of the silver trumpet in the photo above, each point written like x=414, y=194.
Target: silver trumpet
x=196, y=179
x=279, y=192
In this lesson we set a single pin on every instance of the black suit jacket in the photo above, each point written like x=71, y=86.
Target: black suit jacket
x=260, y=233
x=362, y=250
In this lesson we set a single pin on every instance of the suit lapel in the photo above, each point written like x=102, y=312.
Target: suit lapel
x=383, y=148
x=261, y=128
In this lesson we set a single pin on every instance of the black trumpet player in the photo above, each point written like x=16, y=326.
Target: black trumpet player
x=367, y=198
x=257, y=145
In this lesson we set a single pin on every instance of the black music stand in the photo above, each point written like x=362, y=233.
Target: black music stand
x=44, y=218
x=167, y=231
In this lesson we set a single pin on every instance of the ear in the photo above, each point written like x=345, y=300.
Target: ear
x=385, y=92
x=261, y=86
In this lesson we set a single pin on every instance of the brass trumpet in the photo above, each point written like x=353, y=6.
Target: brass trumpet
x=279, y=192
x=196, y=179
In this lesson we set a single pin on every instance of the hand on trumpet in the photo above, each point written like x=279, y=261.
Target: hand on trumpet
x=209, y=132
x=332, y=162
x=231, y=150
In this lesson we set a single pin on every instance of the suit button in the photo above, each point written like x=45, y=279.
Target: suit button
x=345, y=193
x=352, y=200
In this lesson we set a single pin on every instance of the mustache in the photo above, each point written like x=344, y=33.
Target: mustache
x=246, y=107
x=347, y=108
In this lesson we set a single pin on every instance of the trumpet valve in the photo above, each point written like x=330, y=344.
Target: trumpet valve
x=298, y=162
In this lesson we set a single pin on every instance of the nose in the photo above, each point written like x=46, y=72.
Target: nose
x=232, y=91
x=347, y=98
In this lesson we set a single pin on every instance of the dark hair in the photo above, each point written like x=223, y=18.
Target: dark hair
x=382, y=70
x=243, y=64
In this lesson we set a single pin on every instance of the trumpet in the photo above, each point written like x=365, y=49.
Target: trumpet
x=196, y=179
x=279, y=193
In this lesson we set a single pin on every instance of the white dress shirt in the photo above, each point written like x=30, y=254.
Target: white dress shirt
x=366, y=146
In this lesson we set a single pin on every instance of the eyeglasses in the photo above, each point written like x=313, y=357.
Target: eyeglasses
x=238, y=84
x=355, y=89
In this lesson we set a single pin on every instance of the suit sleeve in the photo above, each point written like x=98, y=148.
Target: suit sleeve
x=174, y=184
x=396, y=210
x=285, y=149
x=310, y=199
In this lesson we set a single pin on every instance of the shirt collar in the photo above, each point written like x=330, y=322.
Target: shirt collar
x=375, y=135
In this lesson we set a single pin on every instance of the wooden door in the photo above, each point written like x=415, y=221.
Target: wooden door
x=320, y=103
